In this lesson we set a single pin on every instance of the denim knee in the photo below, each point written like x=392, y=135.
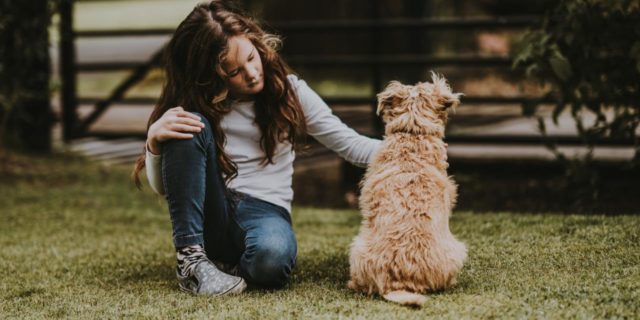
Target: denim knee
x=200, y=139
x=271, y=262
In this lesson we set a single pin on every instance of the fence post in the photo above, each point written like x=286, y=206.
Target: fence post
x=418, y=42
x=351, y=175
x=68, y=70
x=376, y=74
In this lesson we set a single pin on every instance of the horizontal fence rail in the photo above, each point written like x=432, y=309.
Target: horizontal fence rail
x=494, y=139
x=357, y=100
x=486, y=23
x=341, y=61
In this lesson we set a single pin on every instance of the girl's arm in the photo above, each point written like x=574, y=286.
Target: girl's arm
x=153, y=165
x=329, y=130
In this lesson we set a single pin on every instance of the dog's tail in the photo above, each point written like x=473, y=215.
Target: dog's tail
x=406, y=298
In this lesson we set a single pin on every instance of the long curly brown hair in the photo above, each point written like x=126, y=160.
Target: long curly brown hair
x=195, y=80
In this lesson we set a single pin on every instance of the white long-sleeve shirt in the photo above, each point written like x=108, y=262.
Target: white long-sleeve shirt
x=272, y=182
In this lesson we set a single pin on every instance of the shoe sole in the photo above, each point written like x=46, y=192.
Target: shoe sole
x=237, y=289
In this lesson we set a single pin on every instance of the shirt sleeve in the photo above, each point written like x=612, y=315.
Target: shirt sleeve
x=153, y=164
x=329, y=130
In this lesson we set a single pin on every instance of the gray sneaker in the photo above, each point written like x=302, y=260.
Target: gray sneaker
x=197, y=274
x=206, y=279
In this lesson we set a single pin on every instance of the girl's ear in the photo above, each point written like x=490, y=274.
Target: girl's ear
x=386, y=97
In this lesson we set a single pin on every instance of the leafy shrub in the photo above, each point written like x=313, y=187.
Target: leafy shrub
x=589, y=51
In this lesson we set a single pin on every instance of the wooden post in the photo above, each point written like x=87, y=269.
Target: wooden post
x=67, y=62
x=419, y=40
x=351, y=175
x=376, y=72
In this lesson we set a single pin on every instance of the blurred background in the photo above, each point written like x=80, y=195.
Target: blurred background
x=549, y=120
x=544, y=148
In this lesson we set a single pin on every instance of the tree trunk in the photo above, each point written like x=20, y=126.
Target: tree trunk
x=24, y=75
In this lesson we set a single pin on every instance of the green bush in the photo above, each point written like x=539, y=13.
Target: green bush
x=589, y=50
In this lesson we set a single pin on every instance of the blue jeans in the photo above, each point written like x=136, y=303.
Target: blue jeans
x=233, y=227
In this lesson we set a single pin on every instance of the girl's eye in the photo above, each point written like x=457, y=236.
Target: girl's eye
x=233, y=74
x=251, y=58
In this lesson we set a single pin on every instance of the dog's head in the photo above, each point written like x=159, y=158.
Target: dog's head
x=419, y=109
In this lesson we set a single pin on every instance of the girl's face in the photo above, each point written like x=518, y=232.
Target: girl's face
x=244, y=68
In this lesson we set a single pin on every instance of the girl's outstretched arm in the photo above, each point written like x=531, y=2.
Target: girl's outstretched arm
x=329, y=130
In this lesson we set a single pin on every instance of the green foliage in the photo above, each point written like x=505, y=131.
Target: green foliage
x=589, y=51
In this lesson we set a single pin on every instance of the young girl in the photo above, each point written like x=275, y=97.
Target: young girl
x=224, y=159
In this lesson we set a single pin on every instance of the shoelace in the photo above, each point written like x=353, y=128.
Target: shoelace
x=189, y=257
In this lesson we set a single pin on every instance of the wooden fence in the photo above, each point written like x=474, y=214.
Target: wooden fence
x=374, y=61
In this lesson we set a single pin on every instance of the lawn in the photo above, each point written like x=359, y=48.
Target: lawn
x=78, y=241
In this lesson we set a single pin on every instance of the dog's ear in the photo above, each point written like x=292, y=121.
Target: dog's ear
x=446, y=98
x=386, y=97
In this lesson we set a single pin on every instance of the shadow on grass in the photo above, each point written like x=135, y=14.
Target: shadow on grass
x=150, y=274
x=326, y=269
x=502, y=185
x=330, y=268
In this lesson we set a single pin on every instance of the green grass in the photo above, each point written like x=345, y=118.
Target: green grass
x=77, y=241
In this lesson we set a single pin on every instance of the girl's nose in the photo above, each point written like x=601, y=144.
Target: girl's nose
x=252, y=73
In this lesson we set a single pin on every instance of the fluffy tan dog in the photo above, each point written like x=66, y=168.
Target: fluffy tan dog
x=405, y=247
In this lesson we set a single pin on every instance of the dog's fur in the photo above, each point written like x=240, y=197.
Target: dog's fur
x=405, y=247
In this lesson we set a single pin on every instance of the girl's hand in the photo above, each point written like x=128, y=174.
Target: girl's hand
x=174, y=124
